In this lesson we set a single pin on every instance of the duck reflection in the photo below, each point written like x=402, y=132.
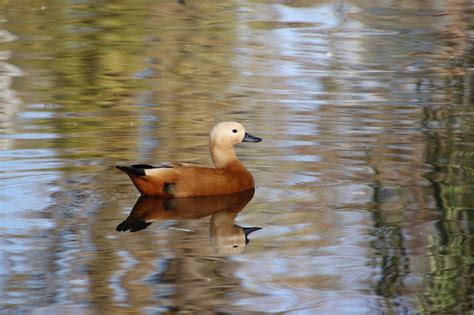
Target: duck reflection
x=226, y=237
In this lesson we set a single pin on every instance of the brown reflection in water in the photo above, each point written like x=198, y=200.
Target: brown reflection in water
x=226, y=236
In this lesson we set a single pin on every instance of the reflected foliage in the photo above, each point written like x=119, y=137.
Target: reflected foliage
x=364, y=182
x=450, y=280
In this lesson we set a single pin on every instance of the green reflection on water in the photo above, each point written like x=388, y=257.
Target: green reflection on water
x=449, y=282
x=103, y=65
x=446, y=284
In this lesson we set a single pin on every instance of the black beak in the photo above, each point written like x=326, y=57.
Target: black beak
x=249, y=138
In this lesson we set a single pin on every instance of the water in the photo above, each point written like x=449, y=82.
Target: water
x=364, y=177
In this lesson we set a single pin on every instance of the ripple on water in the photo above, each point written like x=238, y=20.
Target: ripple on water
x=22, y=226
x=29, y=136
x=35, y=115
x=354, y=101
x=339, y=194
x=26, y=154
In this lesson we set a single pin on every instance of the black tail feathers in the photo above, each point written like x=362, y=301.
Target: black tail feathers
x=134, y=170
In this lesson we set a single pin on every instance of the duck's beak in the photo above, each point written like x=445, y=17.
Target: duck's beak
x=249, y=138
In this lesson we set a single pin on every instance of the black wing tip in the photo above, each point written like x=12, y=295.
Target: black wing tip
x=132, y=170
x=143, y=166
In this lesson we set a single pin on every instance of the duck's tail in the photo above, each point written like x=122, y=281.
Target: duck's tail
x=156, y=184
x=139, y=169
x=132, y=170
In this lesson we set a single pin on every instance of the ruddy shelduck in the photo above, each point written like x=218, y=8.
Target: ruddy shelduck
x=187, y=180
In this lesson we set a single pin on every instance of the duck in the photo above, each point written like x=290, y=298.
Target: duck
x=229, y=175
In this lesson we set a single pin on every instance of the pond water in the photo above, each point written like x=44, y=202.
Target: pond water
x=365, y=175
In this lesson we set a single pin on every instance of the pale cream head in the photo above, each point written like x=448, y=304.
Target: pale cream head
x=224, y=136
x=227, y=133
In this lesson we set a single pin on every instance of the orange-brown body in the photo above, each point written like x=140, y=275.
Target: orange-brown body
x=188, y=180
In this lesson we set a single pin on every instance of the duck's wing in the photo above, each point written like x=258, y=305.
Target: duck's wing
x=140, y=169
x=177, y=164
x=136, y=169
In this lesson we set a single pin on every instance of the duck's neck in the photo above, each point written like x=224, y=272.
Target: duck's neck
x=223, y=156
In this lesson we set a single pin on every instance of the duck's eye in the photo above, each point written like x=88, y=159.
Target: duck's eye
x=234, y=130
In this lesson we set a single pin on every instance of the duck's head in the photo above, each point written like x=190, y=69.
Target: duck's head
x=230, y=133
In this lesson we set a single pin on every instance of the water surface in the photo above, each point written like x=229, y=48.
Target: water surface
x=364, y=177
